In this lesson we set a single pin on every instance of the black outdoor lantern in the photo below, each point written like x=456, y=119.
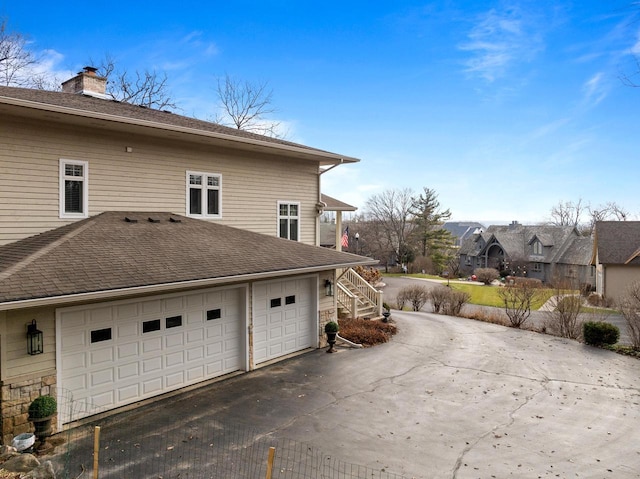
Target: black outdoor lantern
x=35, y=339
x=328, y=287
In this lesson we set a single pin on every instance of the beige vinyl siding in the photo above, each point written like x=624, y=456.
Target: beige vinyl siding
x=618, y=278
x=15, y=361
x=150, y=178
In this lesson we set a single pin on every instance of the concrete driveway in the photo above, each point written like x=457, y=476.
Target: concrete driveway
x=446, y=398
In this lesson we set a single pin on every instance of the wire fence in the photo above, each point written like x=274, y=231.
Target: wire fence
x=128, y=446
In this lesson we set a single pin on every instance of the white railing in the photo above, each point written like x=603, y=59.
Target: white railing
x=355, y=294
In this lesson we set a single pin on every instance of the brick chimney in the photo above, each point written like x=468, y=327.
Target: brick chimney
x=88, y=83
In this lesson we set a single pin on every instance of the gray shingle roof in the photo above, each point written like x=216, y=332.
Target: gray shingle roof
x=617, y=241
x=105, y=252
x=336, y=205
x=82, y=103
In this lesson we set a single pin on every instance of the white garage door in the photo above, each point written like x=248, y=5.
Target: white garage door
x=283, y=318
x=116, y=353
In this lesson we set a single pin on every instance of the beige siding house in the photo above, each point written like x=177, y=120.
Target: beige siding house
x=153, y=251
x=616, y=256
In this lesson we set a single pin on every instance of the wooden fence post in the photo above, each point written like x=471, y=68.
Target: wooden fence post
x=272, y=453
x=96, y=451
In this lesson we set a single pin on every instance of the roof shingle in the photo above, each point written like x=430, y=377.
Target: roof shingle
x=105, y=252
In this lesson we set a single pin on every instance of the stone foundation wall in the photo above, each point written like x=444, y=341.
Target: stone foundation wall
x=15, y=400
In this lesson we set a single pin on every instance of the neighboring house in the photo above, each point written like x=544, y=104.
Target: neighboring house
x=544, y=252
x=616, y=257
x=153, y=251
x=461, y=230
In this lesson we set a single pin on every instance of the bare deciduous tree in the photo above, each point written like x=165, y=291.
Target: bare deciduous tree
x=567, y=213
x=391, y=212
x=246, y=106
x=18, y=64
x=149, y=88
x=517, y=299
x=564, y=309
x=630, y=309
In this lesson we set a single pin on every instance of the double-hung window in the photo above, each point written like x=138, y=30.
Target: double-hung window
x=289, y=220
x=74, y=189
x=204, y=194
x=537, y=248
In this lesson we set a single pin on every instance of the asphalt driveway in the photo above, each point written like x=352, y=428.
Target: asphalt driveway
x=446, y=398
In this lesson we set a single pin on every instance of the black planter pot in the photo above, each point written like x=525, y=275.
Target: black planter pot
x=385, y=316
x=42, y=427
x=331, y=339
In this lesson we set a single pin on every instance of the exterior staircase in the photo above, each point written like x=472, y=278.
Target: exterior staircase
x=356, y=297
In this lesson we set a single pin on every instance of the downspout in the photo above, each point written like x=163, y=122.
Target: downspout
x=338, y=213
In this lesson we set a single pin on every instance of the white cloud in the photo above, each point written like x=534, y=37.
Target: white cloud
x=595, y=89
x=498, y=40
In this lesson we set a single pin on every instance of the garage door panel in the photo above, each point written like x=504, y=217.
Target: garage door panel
x=151, y=345
x=175, y=380
x=174, y=359
x=176, y=347
x=129, y=393
x=99, y=378
x=127, y=350
x=153, y=364
x=130, y=370
x=101, y=356
x=152, y=387
x=284, y=317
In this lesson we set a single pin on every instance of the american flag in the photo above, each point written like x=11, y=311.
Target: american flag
x=345, y=238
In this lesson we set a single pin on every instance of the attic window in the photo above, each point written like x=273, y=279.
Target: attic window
x=537, y=247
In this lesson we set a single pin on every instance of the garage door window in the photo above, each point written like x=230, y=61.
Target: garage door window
x=290, y=299
x=214, y=314
x=99, y=335
x=276, y=302
x=150, y=326
x=173, y=322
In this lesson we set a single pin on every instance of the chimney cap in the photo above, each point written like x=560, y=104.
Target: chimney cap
x=89, y=69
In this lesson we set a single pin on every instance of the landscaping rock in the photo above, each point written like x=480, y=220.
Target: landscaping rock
x=43, y=471
x=21, y=463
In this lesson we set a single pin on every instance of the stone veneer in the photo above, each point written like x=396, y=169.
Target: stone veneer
x=15, y=400
x=325, y=316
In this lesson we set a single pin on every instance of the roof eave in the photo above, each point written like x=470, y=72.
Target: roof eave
x=169, y=287
x=324, y=157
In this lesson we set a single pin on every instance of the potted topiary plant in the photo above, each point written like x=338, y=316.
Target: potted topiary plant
x=331, y=330
x=41, y=411
x=386, y=313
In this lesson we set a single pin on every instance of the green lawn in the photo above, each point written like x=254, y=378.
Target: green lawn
x=488, y=295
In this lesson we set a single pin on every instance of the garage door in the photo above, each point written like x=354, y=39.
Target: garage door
x=116, y=353
x=284, y=319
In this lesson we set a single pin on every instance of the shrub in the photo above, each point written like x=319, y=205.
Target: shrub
x=370, y=275
x=486, y=275
x=331, y=327
x=447, y=301
x=517, y=299
x=598, y=333
x=366, y=332
x=417, y=295
x=43, y=406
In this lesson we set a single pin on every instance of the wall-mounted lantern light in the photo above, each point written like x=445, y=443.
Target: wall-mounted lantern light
x=328, y=287
x=35, y=339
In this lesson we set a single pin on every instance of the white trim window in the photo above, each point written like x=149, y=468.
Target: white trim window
x=204, y=195
x=289, y=220
x=74, y=189
x=537, y=267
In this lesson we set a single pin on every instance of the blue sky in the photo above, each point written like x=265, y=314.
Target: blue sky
x=503, y=108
